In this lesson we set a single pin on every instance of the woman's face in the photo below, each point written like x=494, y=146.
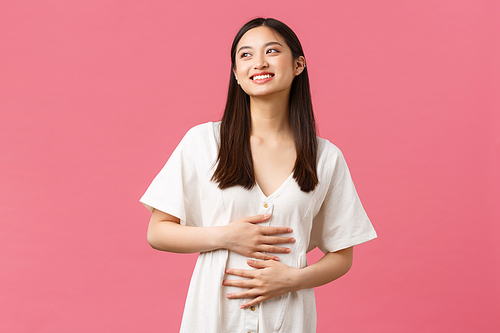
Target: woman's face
x=264, y=64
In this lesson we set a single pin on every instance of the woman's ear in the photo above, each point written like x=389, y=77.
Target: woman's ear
x=234, y=72
x=300, y=64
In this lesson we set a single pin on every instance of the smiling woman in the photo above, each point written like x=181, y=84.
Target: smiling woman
x=256, y=191
x=267, y=46
x=264, y=57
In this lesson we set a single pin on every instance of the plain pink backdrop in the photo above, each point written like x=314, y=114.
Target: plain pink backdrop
x=95, y=95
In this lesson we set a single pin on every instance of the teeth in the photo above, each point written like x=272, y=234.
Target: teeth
x=262, y=77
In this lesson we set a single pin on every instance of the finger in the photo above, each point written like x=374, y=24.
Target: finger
x=248, y=273
x=247, y=283
x=274, y=249
x=259, y=263
x=278, y=240
x=249, y=293
x=253, y=302
x=275, y=230
x=264, y=256
x=258, y=218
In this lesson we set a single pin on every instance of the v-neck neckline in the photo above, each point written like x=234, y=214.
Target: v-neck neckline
x=278, y=190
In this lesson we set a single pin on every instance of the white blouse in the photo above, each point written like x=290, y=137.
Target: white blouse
x=331, y=217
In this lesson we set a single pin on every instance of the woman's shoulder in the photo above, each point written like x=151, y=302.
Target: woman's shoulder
x=331, y=161
x=202, y=129
x=205, y=131
x=327, y=150
x=201, y=140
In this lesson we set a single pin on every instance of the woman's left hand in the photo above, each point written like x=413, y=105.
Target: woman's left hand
x=270, y=279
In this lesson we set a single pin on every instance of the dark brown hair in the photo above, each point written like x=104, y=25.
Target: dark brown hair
x=234, y=162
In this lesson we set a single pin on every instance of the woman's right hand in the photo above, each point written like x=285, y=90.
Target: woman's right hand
x=246, y=237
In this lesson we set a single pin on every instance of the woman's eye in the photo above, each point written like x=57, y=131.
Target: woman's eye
x=244, y=55
x=272, y=51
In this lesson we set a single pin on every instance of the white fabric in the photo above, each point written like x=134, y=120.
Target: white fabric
x=331, y=217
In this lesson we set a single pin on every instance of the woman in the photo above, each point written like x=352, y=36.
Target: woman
x=256, y=191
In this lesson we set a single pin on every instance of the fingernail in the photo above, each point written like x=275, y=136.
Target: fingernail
x=288, y=250
x=224, y=282
x=228, y=271
x=289, y=230
x=242, y=307
x=250, y=261
x=266, y=215
x=293, y=240
x=277, y=258
x=229, y=296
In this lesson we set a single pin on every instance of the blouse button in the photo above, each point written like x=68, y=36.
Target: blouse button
x=252, y=308
x=265, y=205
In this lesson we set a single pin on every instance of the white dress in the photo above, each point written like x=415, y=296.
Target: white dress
x=331, y=217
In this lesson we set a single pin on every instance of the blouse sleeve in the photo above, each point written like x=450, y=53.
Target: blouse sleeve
x=175, y=189
x=341, y=221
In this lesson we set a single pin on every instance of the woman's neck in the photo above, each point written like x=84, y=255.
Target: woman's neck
x=269, y=117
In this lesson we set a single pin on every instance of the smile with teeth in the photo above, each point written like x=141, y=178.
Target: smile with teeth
x=262, y=77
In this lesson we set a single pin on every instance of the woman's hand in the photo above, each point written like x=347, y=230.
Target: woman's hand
x=245, y=237
x=270, y=279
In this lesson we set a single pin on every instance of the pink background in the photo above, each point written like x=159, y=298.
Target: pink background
x=95, y=95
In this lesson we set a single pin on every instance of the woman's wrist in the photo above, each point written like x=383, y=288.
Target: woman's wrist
x=220, y=237
x=299, y=277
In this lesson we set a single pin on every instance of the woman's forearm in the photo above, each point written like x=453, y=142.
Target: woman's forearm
x=173, y=237
x=244, y=236
x=165, y=233
x=332, y=266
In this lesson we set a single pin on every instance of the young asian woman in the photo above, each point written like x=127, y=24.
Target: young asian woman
x=254, y=193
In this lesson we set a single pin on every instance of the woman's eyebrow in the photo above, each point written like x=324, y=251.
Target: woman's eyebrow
x=265, y=45
x=272, y=43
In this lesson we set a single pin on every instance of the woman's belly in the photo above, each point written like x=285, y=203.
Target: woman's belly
x=235, y=261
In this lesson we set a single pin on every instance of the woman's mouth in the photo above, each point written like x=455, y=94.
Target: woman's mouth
x=262, y=77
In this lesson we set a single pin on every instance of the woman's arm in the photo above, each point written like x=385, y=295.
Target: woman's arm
x=243, y=236
x=272, y=279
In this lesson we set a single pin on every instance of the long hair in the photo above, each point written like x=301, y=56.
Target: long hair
x=234, y=162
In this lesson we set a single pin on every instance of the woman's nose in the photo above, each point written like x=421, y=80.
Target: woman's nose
x=260, y=62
